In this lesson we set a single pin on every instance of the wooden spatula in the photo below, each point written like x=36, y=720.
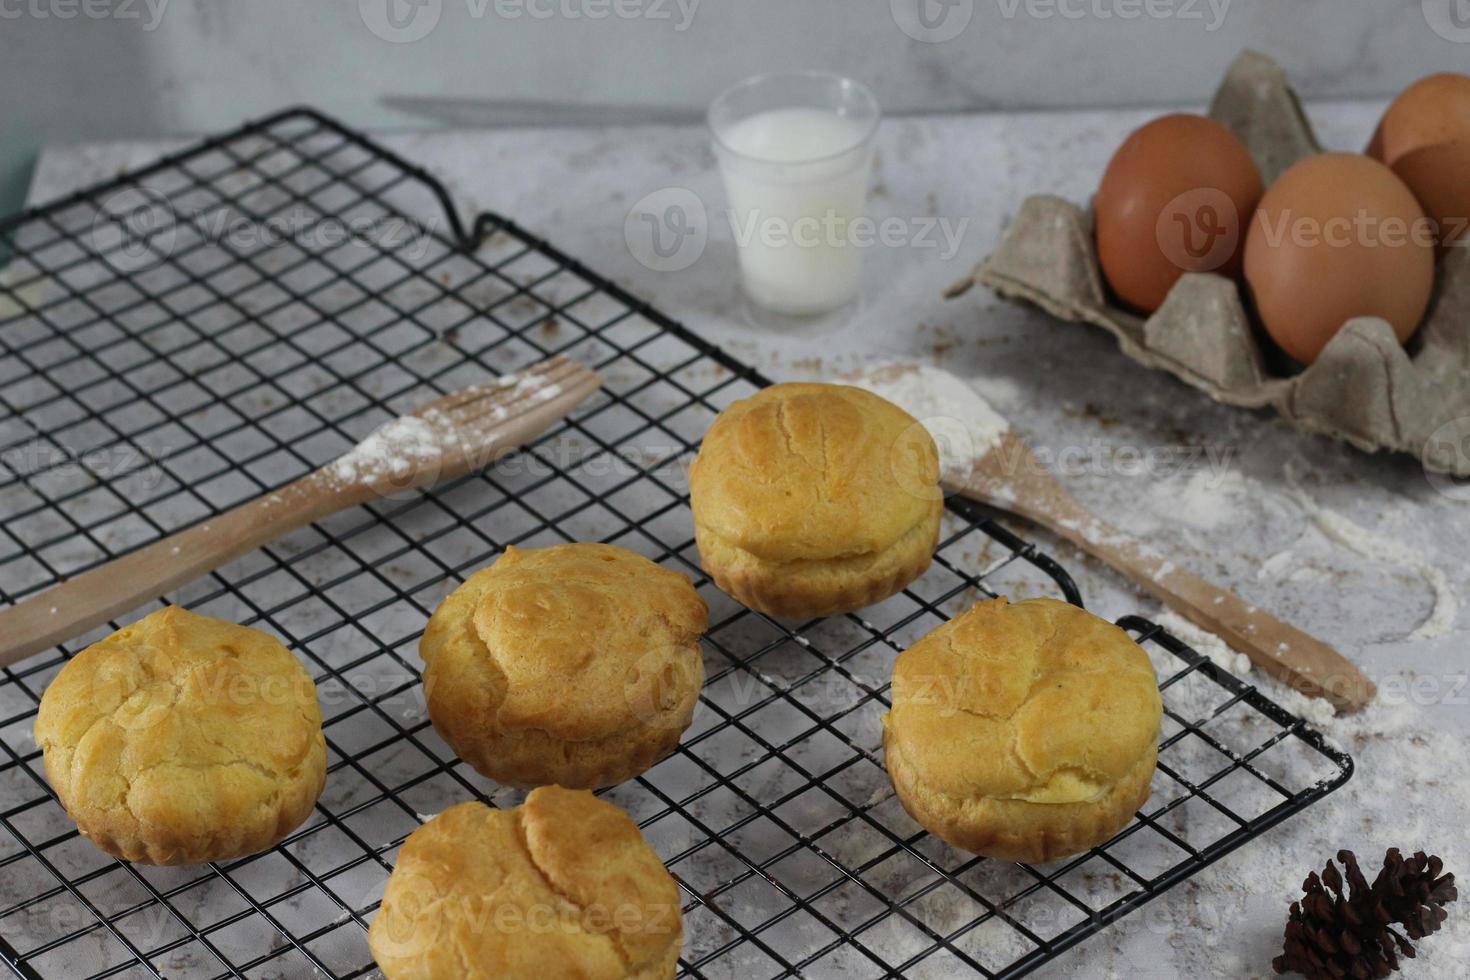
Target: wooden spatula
x=445, y=439
x=1008, y=476
x=1011, y=478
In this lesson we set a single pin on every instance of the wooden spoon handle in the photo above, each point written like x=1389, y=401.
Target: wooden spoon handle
x=1283, y=651
x=109, y=590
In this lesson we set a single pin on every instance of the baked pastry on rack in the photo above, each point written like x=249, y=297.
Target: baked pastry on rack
x=577, y=665
x=815, y=499
x=562, y=886
x=182, y=739
x=1024, y=731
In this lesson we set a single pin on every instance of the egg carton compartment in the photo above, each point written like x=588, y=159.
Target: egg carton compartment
x=1365, y=388
x=156, y=374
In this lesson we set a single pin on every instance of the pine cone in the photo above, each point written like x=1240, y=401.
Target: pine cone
x=1338, y=932
x=1414, y=892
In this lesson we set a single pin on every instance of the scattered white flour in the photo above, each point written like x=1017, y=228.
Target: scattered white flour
x=1441, y=618
x=1206, y=643
x=537, y=386
x=425, y=817
x=396, y=448
x=1204, y=498
x=1317, y=712
x=1274, y=566
x=963, y=424
x=392, y=449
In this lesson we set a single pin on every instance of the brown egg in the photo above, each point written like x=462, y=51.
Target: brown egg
x=1423, y=137
x=1338, y=236
x=1439, y=176
x=1432, y=110
x=1174, y=199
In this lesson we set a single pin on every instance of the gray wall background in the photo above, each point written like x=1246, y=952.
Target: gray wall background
x=89, y=69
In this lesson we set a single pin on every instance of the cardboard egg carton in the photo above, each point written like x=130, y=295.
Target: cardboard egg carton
x=1365, y=388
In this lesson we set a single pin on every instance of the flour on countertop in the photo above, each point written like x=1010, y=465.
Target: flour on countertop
x=964, y=425
x=1206, y=643
x=1274, y=566
x=1441, y=618
x=1204, y=499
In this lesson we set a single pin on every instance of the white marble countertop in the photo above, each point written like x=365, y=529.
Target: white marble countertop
x=1219, y=489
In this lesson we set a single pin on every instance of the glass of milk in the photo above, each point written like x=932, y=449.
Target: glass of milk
x=796, y=152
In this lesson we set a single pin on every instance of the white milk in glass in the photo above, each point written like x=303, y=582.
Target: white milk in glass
x=796, y=179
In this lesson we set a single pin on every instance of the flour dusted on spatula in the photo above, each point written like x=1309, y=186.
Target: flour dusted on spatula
x=393, y=449
x=397, y=448
x=963, y=424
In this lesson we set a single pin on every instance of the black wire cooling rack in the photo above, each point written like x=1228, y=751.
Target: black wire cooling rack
x=194, y=333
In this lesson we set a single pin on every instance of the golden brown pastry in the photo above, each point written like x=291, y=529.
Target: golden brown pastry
x=562, y=886
x=577, y=665
x=1024, y=732
x=182, y=739
x=815, y=499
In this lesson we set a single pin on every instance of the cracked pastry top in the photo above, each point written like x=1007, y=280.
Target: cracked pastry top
x=815, y=499
x=577, y=664
x=182, y=739
x=562, y=886
x=1024, y=731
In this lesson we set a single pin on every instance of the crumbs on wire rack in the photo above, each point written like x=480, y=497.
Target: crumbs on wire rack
x=396, y=448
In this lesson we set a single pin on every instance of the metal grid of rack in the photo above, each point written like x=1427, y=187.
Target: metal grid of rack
x=194, y=333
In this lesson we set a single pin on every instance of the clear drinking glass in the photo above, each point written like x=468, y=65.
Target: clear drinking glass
x=795, y=150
